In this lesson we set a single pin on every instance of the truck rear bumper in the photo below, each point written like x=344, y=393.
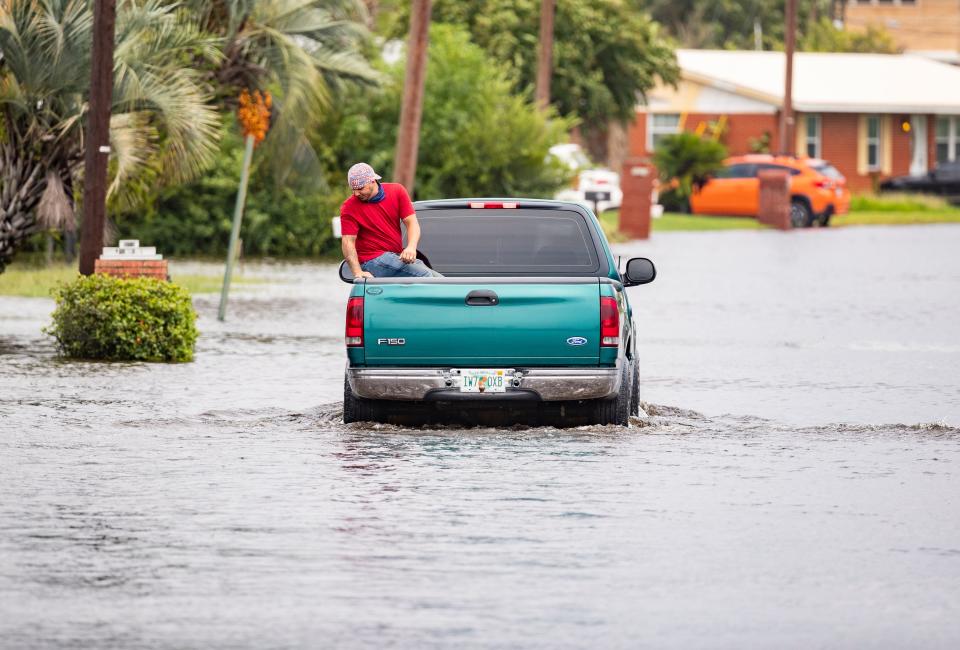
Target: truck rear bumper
x=545, y=384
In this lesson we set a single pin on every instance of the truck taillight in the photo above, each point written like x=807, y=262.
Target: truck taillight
x=354, y=333
x=609, y=322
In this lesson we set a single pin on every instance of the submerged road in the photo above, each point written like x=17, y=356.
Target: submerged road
x=794, y=483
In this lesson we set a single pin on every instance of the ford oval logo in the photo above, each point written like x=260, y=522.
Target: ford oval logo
x=576, y=340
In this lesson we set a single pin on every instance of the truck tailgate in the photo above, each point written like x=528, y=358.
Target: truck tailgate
x=553, y=323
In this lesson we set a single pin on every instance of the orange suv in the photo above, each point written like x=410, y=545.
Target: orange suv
x=817, y=190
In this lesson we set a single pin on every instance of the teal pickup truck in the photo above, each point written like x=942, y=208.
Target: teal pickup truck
x=531, y=315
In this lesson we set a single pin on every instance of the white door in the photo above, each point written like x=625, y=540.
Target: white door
x=918, y=145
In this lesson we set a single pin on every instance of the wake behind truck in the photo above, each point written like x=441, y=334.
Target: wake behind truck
x=530, y=317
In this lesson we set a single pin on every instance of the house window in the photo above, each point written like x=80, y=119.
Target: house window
x=873, y=142
x=948, y=138
x=813, y=136
x=662, y=124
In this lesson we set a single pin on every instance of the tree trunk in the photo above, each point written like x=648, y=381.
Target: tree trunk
x=21, y=186
x=70, y=245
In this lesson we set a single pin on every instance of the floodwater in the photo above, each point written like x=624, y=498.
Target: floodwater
x=794, y=483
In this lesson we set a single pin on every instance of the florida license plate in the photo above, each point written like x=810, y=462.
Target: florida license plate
x=482, y=381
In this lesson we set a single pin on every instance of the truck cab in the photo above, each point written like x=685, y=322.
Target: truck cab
x=531, y=313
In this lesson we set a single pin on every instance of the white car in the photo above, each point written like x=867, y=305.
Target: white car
x=595, y=186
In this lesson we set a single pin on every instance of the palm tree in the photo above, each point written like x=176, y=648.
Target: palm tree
x=163, y=125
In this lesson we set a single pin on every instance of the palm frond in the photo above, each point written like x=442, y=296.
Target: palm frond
x=133, y=141
x=163, y=112
x=55, y=210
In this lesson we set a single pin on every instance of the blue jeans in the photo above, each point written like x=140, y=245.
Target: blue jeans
x=389, y=265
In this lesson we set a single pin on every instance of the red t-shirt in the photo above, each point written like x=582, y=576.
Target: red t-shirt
x=377, y=225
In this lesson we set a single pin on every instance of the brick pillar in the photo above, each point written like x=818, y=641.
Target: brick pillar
x=636, y=181
x=132, y=268
x=774, y=198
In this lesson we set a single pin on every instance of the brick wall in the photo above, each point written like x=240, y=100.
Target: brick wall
x=838, y=144
x=132, y=268
x=740, y=129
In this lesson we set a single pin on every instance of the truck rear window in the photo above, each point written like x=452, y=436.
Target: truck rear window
x=497, y=241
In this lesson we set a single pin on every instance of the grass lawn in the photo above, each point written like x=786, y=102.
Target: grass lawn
x=675, y=221
x=882, y=218
x=868, y=210
x=37, y=282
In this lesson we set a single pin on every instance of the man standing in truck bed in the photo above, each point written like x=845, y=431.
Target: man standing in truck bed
x=370, y=224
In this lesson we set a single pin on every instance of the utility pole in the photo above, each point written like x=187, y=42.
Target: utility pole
x=545, y=60
x=408, y=136
x=787, y=143
x=98, y=134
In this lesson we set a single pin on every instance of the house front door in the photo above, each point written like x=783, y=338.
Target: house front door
x=918, y=145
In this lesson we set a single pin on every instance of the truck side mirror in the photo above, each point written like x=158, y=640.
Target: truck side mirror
x=640, y=270
x=345, y=273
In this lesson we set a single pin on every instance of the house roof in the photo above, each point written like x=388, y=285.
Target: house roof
x=830, y=82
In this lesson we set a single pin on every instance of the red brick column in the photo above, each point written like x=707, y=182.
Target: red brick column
x=636, y=181
x=132, y=268
x=774, y=198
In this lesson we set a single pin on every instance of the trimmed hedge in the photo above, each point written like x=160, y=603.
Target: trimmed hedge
x=124, y=319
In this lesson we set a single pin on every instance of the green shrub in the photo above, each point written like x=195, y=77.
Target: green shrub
x=673, y=201
x=687, y=159
x=897, y=202
x=136, y=319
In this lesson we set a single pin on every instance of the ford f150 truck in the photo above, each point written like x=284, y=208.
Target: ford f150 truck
x=531, y=312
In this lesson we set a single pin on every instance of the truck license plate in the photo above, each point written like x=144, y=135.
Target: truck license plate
x=483, y=381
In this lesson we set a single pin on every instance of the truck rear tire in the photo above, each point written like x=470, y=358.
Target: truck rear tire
x=616, y=410
x=634, y=388
x=357, y=409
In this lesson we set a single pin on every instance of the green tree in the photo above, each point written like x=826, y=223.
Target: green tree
x=477, y=138
x=606, y=52
x=823, y=36
x=686, y=159
x=161, y=112
x=731, y=24
x=305, y=52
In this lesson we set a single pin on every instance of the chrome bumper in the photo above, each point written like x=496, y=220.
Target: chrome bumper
x=546, y=384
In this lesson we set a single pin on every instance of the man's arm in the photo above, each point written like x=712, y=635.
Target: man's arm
x=409, y=254
x=349, y=247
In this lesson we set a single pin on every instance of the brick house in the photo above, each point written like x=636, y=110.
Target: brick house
x=872, y=115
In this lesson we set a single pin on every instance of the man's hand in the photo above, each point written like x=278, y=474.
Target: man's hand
x=363, y=274
x=409, y=255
